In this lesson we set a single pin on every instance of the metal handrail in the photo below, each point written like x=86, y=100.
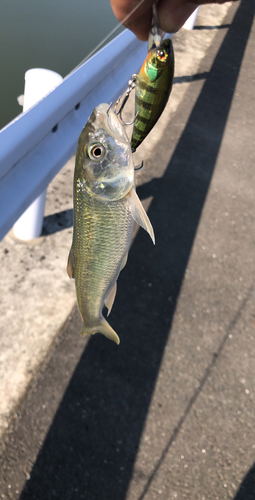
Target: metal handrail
x=38, y=143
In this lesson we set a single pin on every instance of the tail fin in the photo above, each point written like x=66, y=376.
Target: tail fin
x=104, y=328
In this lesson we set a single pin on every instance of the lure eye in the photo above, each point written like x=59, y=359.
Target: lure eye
x=95, y=152
x=161, y=55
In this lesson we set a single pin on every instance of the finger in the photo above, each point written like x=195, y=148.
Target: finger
x=135, y=16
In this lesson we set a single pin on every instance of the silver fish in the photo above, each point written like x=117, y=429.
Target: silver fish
x=105, y=207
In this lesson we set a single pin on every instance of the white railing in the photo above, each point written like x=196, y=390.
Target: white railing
x=36, y=145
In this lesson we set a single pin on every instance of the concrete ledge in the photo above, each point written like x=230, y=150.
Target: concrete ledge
x=36, y=296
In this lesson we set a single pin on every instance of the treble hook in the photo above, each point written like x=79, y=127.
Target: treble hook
x=131, y=86
x=107, y=112
x=140, y=167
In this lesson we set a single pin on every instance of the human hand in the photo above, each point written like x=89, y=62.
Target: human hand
x=172, y=14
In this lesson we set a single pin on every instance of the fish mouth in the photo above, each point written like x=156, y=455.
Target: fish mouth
x=104, y=116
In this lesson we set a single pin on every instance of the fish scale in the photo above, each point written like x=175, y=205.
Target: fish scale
x=100, y=258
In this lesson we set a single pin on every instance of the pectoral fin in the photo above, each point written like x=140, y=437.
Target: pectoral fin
x=70, y=264
x=110, y=298
x=139, y=214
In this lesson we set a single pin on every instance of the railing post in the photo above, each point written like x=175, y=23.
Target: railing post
x=191, y=20
x=38, y=83
x=30, y=154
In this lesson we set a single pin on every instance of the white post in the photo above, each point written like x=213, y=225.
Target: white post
x=191, y=20
x=38, y=83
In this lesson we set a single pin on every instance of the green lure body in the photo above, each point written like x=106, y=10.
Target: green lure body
x=153, y=87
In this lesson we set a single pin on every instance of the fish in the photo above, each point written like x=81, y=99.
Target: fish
x=152, y=89
x=105, y=208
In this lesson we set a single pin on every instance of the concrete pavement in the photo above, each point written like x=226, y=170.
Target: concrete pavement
x=170, y=412
x=36, y=295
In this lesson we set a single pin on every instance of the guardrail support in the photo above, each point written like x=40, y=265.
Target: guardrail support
x=39, y=142
x=38, y=83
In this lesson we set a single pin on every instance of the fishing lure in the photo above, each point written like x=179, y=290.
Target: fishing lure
x=152, y=85
x=152, y=89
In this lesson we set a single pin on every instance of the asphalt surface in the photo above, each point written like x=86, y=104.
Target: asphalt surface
x=170, y=412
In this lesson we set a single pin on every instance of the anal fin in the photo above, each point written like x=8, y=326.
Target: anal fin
x=110, y=298
x=124, y=261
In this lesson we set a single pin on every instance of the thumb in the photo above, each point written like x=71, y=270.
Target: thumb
x=172, y=16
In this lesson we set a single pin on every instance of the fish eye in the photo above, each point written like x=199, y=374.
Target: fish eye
x=95, y=151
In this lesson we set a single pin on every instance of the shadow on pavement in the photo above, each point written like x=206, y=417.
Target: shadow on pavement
x=247, y=488
x=57, y=222
x=191, y=78
x=91, y=446
x=204, y=27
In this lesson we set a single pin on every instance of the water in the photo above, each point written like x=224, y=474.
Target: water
x=52, y=34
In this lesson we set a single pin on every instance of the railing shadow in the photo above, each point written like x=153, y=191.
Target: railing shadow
x=91, y=446
x=208, y=27
x=247, y=488
x=191, y=78
x=57, y=222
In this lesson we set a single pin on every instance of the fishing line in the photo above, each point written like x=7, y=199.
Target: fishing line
x=109, y=35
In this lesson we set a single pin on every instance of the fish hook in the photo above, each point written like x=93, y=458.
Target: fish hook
x=131, y=86
x=140, y=167
x=107, y=112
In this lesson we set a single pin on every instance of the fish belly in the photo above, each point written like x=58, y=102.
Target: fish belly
x=102, y=233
